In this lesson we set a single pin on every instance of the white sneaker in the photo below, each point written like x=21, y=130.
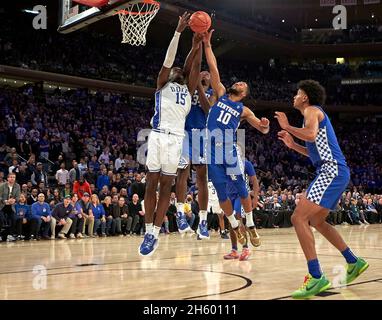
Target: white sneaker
x=52, y=237
x=72, y=236
x=80, y=236
x=61, y=236
x=11, y=238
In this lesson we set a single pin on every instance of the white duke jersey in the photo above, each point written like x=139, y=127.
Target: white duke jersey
x=172, y=105
x=212, y=195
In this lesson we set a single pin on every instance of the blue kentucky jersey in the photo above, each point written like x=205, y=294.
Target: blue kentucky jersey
x=222, y=123
x=225, y=114
x=325, y=148
x=197, y=118
x=249, y=171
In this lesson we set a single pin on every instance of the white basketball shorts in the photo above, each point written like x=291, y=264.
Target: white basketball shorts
x=163, y=152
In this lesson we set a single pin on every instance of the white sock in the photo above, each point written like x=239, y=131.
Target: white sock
x=180, y=207
x=203, y=215
x=232, y=220
x=149, y=227
x=249, y=219
x=156, y=232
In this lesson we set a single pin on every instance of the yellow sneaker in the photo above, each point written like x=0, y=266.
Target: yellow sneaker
x=253, y=236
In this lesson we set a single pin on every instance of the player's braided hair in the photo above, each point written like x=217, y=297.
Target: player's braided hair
x=316, y=93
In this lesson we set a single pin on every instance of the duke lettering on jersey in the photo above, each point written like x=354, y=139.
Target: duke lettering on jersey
x=172, y=105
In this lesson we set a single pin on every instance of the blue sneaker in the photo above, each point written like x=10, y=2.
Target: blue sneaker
x=148, y=245
x=182, y=222
x=203, y=230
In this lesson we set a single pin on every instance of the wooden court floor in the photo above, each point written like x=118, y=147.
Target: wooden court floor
x=182, y=268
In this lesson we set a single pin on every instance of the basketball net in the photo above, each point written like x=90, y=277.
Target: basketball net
x=135, y=20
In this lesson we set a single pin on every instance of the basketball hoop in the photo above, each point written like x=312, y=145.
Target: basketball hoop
x=135, y=19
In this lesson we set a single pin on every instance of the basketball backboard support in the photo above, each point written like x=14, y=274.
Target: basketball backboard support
x=74, y=16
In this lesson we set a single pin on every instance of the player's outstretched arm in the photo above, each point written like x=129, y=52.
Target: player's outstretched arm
x=203, y=100
x=261, y=125
x=309, y=132
x=194, y=76
x=196, y=42
x=288, y=140
x=216, y=84
x=171, y=51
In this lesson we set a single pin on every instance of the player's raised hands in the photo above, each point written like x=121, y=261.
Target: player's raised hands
x=183, y=22
x=282, y=119
x=285, y=137
x=207, y=36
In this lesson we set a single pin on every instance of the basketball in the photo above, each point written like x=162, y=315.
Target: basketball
x=200, y=22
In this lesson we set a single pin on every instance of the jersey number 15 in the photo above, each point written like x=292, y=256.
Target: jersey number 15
x=181, y=98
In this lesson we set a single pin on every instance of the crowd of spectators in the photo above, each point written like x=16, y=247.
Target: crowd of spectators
x=64, y=143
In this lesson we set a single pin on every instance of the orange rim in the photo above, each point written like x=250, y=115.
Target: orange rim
x=134, y=13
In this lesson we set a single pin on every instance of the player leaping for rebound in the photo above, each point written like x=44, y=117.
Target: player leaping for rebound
x=224, y=163
x=323, y=194
x=172, y=104
x=193, y=154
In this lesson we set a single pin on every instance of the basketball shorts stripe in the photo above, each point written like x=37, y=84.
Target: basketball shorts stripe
x=328, y=186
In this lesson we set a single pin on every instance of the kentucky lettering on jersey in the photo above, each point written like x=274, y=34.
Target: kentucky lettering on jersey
x=172, y=105
x=225, y=114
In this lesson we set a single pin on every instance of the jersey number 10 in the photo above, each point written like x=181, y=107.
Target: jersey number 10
x=181, y=98
x=224, y=117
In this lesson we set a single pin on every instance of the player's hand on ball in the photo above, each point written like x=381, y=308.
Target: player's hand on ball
x=282, y=119
x=183, y=22
x=207, y=37
x=285, y=137
x=264, y=122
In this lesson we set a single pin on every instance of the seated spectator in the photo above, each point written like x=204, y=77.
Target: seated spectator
x=54, y=198
x=104, y=193
x=39, y=175
x=190, y=216
x=62, y=176
x=23, y=211
x=87, y=214
x=9, y=195
x=41, y=213
x=67, y=191
x=371, y=212
x=60, y=216
x=77, y=218
x=81, y=186
x=135, y=212
x=33, y=196
x=354, y=212
x=97, y=210
x=103, y=180
x=108, y=214
x=120, y=217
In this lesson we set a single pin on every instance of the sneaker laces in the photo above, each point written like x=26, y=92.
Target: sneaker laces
x=203, y=226
x=306, y=281
x=182, y=223
x=148, y=241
